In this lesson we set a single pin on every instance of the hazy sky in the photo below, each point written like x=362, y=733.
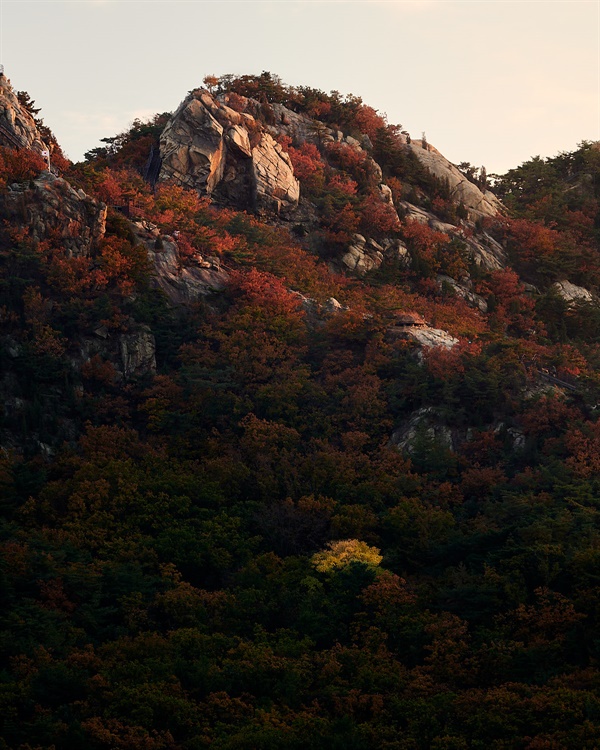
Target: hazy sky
x=492, y=82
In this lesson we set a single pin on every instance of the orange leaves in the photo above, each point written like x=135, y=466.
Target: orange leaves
x=584, y=446
x=174, y=207
x=341, y=183
x=110, y=188
x=73, y=276
x=117, y=265
x=510, y=308
x=425, y=243
x=532, y=240
x=550, y=413
x=444, y=364
x=266, y=290
x=211, y=241
x=340, y=225
x=422, y=237
x=369, y=121
x=348, y=158
x=377, y=217
x=19, y=166
x=308, y=165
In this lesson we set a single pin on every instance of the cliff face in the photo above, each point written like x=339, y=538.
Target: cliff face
x=235, y=157
x=225, y=154
x=17, y=127
x=49, y=207
x=479, y=203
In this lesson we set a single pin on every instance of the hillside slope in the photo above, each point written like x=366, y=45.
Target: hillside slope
x=300, y=444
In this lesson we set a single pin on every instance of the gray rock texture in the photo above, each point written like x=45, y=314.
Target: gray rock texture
x=51, y=208
x=17, y=127
x=479, y=204
x=138, y=353
x=182, y=281
x=221, y=153
x=572, y=293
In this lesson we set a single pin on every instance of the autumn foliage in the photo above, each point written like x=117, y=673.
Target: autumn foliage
x=300, y=530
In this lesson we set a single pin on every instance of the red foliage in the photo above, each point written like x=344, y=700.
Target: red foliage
x=378, y=217
x=368, y=121
x=307, y=162
x=341, y=225
x=340, y=182
x=19, y=166
x=531, y=240
x=479, y=481
x=548, y=414
x=444, y=364
x=265, y=290
x=426, y=241
x=318, y=109
x=110, y=188
x=351, y=160
x=584, y=446
x=175, y=208
x=513, y=309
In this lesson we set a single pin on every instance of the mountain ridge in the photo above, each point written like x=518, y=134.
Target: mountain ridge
x=297, y=457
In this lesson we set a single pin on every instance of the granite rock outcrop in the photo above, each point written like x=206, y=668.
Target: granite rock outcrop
x=17, y=127
x=51, y=208
x=228, y=156
x=478, y=203
x=182, y=282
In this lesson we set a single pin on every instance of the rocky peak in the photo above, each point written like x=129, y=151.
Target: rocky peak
x=227, y=155
x=479, y=204
x=17, y=126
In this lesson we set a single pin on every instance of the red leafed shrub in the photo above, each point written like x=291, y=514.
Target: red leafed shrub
x=175, y=207
x=444, y=363
x=307, y=162
x=19, y=166
x=584, y=446
x=237, y=102
x=73, y=276
x=478, y=481
x=341, y=225
x=208, y=241
x=425, y=242
x=318, y=109
x=510, y=308
x=378, y=217
x=110, y=188
x=548, y=414
x=345, y=156
x=369, y=121
x=341, y=183
x=531, y=240
x=265, y=290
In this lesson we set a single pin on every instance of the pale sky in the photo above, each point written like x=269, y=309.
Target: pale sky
x=492, y=82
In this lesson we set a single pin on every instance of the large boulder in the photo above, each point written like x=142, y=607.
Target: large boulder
x=276, y=188
x=364, y=254
x=479, y=204
x=192, y=147
x=227, y=155
x=485, y=251
x=571, y=293
x=421, y=334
